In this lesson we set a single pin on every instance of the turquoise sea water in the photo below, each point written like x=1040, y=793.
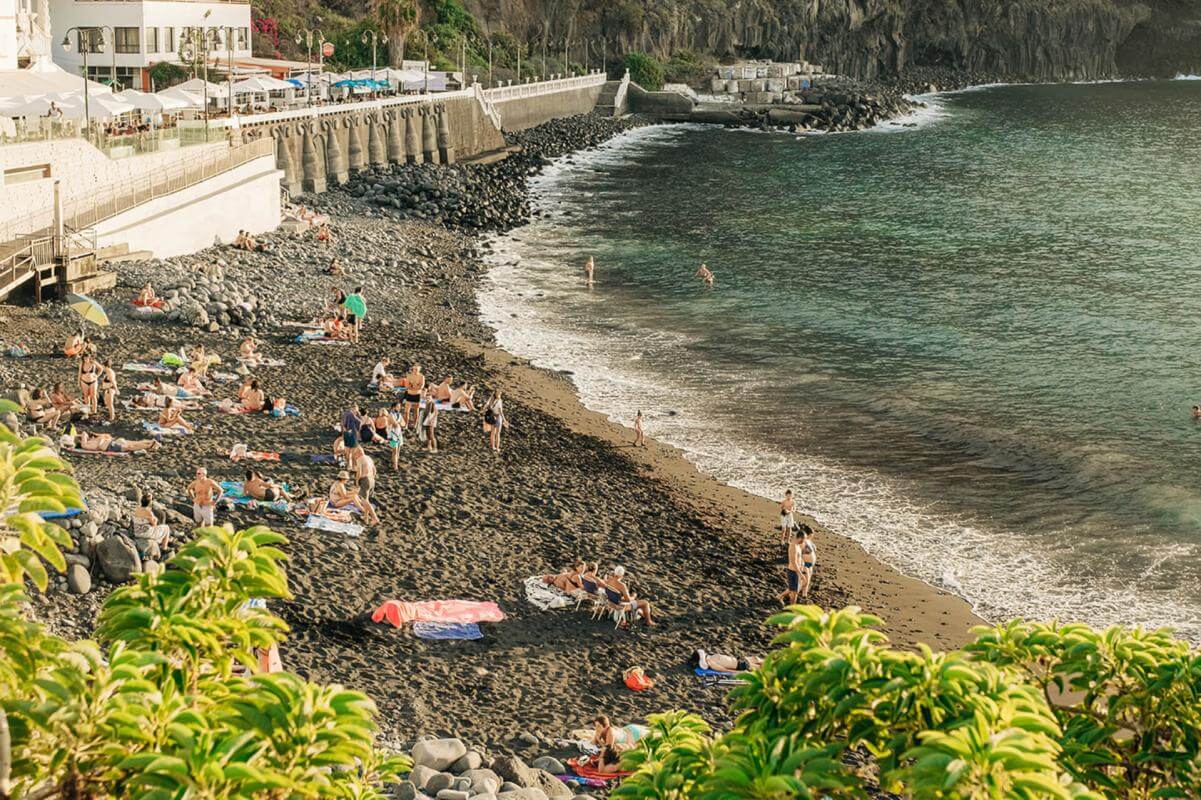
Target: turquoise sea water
x=972, y=345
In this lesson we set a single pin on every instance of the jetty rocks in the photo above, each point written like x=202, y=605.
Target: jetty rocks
x=446, y=769
x=479, y=197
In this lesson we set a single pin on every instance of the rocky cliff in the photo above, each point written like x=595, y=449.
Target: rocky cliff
x=1016, y=39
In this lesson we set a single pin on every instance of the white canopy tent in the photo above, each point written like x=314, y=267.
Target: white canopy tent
x=159, y=103
x=197, y=86
x=176, y=94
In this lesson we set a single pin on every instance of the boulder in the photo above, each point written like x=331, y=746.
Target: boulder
x=405, y=790
x=482, y=780
x=452, y=794
x=552, y=765
x=472, y=760
x=437, y=782
x=421, y=775
x=554, y=788
x=118, y=558
x=79, y=580
x=438, y=754
x=514, y=770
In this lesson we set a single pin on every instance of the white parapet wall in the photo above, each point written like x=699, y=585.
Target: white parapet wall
x=201, y=215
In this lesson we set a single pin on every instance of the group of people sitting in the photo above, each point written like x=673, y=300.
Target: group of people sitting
x=612, y=591
x=244, y=241
x=343, y=494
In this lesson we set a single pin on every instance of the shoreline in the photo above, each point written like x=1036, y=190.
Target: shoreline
x=913, y=611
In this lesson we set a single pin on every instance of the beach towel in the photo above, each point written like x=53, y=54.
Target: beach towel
x=583, y=767
x=154, y=429
x=311, y=326
x=713, y=676
x=147, y=366
x=449, y=631
x=65, y=514
x=289, y=410
x=146, y=311
x=321, y=340
x=545, y=597
x=224, y=377
x=398, y=612
x=263, y=362
x=240, y=451
x=322, y=458
x=157, y=302
x=232, y=491
x=323, y=523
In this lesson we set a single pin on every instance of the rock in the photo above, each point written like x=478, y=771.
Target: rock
x=77, y=558
x=514, y=770
x=79, y=580
x=552, y=765
x=420, y=776
x=118, y=559
x=509, y=786
x=472, y=760
x=482, y=780
x=438, y=754
x=452, y=794
x=555, y=789
x=583, y=797
x=438, y=782
x=405, y=790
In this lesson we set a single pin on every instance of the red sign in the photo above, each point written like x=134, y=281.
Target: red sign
x=327, y=49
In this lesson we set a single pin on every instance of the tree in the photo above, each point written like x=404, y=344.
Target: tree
x=171, y=702
x=398, y=18
x=645, y=70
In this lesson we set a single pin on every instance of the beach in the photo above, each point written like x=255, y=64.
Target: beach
x=466, y=523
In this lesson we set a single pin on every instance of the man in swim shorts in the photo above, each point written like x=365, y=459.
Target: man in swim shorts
x=414, y=384
x=205, y=492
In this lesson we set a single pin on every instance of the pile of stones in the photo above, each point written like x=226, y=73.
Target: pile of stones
x=446, y=769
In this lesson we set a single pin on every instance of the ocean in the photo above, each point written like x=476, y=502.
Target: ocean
x=967, y=340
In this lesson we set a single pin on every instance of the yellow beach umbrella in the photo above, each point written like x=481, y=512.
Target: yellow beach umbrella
x=88, y=309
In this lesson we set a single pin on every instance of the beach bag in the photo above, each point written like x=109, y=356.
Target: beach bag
x=637, y=680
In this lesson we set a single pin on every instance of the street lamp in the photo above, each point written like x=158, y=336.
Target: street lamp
x=228, y=31
x=197, y=43
x=489, y=61
x=306, y=37
x=375, y=40
x=84, y=47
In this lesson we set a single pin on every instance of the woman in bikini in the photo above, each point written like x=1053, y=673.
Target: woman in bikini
x=61, y=400
x=394, y=431
x=191, y=384
x=108, y=389
x=494, y=420
x=89, y=378
x=248, y=352
x=172, y=417
x=41, y=410
x=431, y=423
x=463, y=398
x=146, y=298
x=808, y=559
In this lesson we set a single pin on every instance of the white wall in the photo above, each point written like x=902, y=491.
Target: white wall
x=245, y=198
x=65, y=14
x=82, y=171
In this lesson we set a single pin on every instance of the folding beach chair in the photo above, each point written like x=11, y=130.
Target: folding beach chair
x=616, y=606
x=590, y=592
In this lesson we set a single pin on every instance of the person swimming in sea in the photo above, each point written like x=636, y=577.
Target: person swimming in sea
x=706, y=275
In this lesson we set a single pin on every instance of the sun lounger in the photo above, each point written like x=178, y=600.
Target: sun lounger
x=323, y=523
x=447, y=631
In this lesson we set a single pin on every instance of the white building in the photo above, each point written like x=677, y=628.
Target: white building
x=145, y=33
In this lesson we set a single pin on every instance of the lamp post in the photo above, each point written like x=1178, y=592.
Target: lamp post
x=84, y=47
x=489, y=62
x=198, y=44
x=306, y=37
x=545, y=39
x=228, y=32
x=375, y=39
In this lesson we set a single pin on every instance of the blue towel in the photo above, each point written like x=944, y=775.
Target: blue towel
x=447, y=630
x=322, y=458
x=68, y=514
x=724, y=677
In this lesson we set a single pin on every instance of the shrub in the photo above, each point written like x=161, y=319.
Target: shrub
x=645, y=70
x=989, y=721
x=164, y=74
x=161, y=709
x=684, y=66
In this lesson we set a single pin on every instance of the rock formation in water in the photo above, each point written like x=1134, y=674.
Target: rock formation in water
x=1014, y=39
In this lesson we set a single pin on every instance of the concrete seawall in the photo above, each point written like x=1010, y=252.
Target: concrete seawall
x=527, y=112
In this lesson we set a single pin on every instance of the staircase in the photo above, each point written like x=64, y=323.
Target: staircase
x=59, y=264
x=612, y=99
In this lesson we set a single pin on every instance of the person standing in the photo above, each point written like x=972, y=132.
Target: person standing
x=494, y=420
x=589, y=269
x=431, y=424
x=789, y=595
x=787, y=520
x=808, y=554
x=364, y=473
x=108, y=389
x=414, y=384
x=639, y=434
x=205, y=492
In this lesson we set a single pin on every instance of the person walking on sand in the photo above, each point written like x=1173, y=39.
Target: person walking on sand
x=431, y=424
x=205, y=492
x=788, y=596
x=705, y=275
x=589, y=269
x=787, y=521
x=494, y=420
x=808, y=553
x=639, y=434
x=364, y=473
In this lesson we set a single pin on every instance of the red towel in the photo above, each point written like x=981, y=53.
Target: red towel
x=582, y=766
x=398, y=612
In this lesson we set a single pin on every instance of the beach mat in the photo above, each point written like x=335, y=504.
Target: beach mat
x=158, y=430
x=546, y=597
x=318, y=522
x=582, y=767
x=147, y=366
x=232, y=491
x=399, y=613
x=96, y=452
x=713, y=676
x=447, y=631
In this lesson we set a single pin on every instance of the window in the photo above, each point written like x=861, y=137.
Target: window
x=127, y=40
x=243, y=38
x=89, y=40
x=152, y=40
x=168, y=40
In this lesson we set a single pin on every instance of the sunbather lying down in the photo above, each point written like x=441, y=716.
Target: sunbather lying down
x=105, y=443
x=149, y=399
x=718, y=662
x=568, y=581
